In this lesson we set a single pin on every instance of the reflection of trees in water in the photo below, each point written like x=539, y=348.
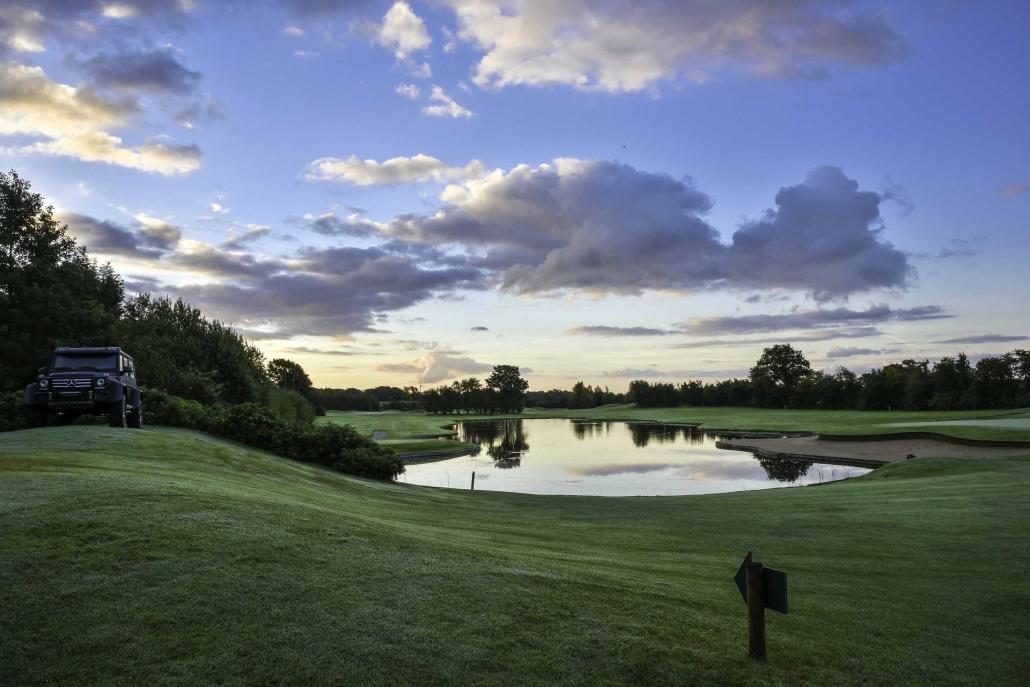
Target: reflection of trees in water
x=643, y=434
x=588, y=429
x=784, y=469
x=505, y=440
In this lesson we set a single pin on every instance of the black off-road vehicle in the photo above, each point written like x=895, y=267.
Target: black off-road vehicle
x=98, y=381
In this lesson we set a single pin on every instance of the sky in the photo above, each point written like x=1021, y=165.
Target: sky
x=407, y=193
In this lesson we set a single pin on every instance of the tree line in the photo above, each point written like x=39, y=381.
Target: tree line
x=783, y=378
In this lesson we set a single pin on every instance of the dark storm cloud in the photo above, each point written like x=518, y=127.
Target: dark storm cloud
x=983, y=338
x=111, y=238
x=150, y=70
x=606, y=330
x=608, y=227
x=830, y=317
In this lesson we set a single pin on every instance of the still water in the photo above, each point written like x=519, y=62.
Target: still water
x=547, y=456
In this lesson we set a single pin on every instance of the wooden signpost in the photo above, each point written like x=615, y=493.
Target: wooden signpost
x=761, y=588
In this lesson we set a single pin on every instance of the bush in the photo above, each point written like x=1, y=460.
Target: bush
x=12, y=411
x=160, y=408
x=333, y=446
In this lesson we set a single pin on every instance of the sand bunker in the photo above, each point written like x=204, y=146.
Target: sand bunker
x=866, y=453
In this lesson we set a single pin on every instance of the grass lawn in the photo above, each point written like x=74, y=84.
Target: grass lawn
x=417, y=424
x=407, y=447
x=164, y=556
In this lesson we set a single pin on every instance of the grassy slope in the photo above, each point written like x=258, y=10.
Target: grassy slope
x=408, y=424
x=166, y=556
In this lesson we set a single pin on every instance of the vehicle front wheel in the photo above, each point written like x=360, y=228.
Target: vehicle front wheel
x=116, y=414
x=136, y=417
x=36, y=416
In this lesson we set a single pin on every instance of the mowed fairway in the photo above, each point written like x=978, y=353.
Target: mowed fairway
x=165, y=556
x=400, y=425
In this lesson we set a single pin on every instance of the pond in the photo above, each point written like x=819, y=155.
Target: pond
x=550, y=456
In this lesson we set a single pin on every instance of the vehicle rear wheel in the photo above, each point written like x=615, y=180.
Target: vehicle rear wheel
x=116, y=414
x=136, y=417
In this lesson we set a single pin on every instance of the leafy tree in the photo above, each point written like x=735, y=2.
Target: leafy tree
x=776, y=375
x=582, y=396
x=289, y=375
x=51, y=292
x=511, y=387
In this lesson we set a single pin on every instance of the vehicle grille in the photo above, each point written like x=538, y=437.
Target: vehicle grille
x=71, y=383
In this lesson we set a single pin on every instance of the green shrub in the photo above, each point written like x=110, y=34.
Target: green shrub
x=338, y=447
x=12, y=411
x=160, y=408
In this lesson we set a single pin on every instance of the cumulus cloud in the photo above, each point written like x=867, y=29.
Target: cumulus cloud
x=619, y=45
x=97, y=146
x=808, y=319
x=73, y=118
x=982, y=338
x=30, y=103
x=606, y=330
x=403, y=31
x=608, y=227
x=437, y=367
x=824, y=235
x=391, y=172
x=445, y=106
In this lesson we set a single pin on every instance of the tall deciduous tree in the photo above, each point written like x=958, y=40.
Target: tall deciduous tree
x=510, y=385
x=51, y=292
x=777, y=373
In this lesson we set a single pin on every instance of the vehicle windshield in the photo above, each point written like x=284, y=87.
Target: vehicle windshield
x=95, y=362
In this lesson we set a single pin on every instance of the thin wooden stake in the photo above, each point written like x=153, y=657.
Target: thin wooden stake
x=755, y=612
x=473, y=487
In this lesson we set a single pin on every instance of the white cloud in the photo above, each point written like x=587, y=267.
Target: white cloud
x=218, y=208
x=403, y=31
x=293, y=31
x=397, y=170
x=437, y=367
x=445, y=106
x=617, y=45
x=118, y=10
x=73, y=120
x=409, y=90
x=97, y=146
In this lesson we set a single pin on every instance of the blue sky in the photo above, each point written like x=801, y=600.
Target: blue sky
x=573, y=186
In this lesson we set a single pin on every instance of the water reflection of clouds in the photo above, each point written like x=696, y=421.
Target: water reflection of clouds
x=615, y=469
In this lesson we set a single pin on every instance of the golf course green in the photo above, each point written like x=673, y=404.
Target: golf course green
x=168, y=557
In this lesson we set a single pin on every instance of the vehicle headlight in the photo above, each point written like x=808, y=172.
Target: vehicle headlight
x=43, y=383
x=100, y=383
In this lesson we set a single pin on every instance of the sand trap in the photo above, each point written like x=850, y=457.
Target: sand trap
x=865, y=452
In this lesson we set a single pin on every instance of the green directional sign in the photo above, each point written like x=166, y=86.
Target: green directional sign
x=741, y=577
x=775, y=584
